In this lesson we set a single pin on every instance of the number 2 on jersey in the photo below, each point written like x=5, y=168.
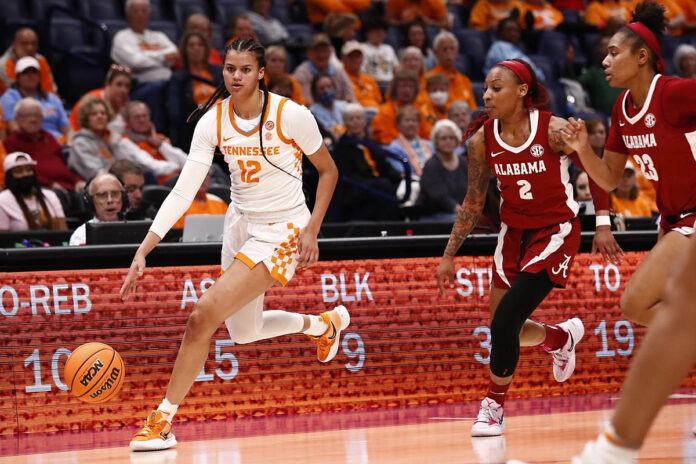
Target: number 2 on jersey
x=249, y=168
x=525, y=189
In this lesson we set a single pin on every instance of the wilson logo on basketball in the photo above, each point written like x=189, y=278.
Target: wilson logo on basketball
x=537, y=150
x=113, y=377
x=94, y=370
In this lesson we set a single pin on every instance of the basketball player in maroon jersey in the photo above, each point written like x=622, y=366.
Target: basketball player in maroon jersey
x=654, y=124
x=520, y=143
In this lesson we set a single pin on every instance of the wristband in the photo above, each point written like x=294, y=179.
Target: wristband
x=602, y=221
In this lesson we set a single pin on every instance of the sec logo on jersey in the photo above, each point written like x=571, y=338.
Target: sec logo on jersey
x=650, y=120
x=537, y=150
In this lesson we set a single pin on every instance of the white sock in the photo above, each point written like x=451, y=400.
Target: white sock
x=169, y=408
x=613, y=452
x=317, y=326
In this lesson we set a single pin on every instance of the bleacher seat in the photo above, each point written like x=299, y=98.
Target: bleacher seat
x=478, y=93
x=553, y=44
x=66, y=34
x=393, y=38
x=218, y=40
x=155, y=194
x=221, y=191
x=160, y=11
x=548, y=65
x=304, y=31
x=168, y=27
x=40, y=8
x=81, y=71
x=669, y=46
x=101, y=9
x=225, y=9
x=13, y=9
x=461, y=62
x=571, y=16
x=112, y=27
x=282, y=12
x=473, y=44
x=185, y=8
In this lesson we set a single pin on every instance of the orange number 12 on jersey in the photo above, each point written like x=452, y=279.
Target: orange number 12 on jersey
x=249, y=168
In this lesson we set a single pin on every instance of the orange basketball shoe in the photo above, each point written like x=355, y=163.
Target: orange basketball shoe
x=155, y=435
x=327, y=344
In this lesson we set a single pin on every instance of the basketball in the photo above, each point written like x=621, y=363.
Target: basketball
x=94, y=372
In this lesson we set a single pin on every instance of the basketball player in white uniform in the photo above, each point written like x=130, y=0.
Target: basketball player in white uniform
x=268, y=229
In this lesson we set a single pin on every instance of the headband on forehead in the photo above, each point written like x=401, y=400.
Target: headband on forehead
x=519, y=69
x=650, y=40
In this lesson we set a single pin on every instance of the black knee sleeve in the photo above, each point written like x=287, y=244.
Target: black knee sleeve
x=525, y=295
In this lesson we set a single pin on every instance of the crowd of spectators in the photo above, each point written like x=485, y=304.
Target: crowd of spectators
x=388, y=81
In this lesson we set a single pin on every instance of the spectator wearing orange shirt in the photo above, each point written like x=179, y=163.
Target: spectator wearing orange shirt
x=276, y=65
x=141, y=131
x=26, y=43
x=403, y=90
x=436, y=106
x=486, y=14
x=199, y=22
x=115, y=92
x=689, y=8
x=239, y=26
x=433, y=12
x=608, y=15
x=204, y=203
x=365, y=87
x=317, y=10
x=546, y=17
x=627, y=199
x=446, y=48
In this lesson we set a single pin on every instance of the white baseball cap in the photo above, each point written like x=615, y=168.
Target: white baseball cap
x=25, y=63
x=351, y=46
x=17, y=159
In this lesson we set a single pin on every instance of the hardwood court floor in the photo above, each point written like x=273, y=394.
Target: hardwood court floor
x=438, y=434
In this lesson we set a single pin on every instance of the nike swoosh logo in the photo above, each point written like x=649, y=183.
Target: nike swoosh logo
x=621, y=123
x=333, y=336
x=683, y=215
x=493, y=155
x=226, y=139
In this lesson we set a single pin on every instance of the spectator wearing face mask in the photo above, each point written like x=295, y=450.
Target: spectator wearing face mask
x=327, y=110
x=24, y=205
x=435, y=106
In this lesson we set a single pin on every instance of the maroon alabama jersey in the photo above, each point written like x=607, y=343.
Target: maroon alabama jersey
x=660, y=138
x=533, y=179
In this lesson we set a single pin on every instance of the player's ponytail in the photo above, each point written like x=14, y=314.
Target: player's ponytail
x=647, y=29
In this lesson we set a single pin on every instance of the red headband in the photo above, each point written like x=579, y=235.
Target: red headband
x=519, y=69
x=523, y=74
x=650, y=40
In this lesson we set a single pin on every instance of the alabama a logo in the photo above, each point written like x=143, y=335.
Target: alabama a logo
x=562, y=267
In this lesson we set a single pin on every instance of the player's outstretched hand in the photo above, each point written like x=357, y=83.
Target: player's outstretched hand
x=574, y=134
x=308, y=248
x=606, y=244
x=445, y=272
x=136, y=270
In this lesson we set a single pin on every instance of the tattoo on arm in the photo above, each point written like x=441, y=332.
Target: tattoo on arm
x=556, y=140
x=468, y=214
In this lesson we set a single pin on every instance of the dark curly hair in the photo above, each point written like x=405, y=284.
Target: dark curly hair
x=652, y=15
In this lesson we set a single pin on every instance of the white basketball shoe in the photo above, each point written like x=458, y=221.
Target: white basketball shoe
x=489, y=422
x=602, y=451
x=564, y=358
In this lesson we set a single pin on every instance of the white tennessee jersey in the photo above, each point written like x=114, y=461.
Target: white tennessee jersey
x=260, y=190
